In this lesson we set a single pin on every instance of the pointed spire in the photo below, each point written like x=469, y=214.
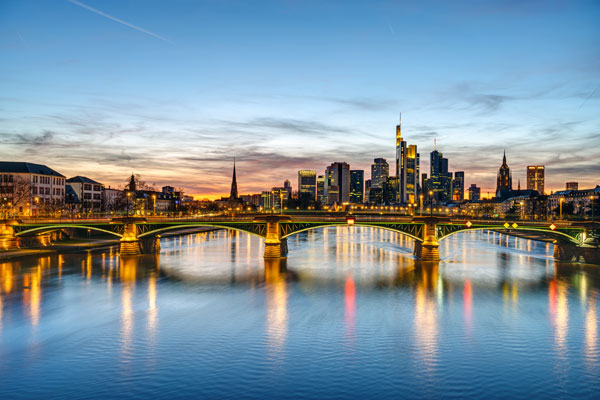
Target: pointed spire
x=132, y=185
x=233, y=194
x=434, y=144
x=519, y=185
x=504, y=158
x=399, y=130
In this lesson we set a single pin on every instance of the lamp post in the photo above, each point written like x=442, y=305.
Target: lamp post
x=592, y=198
x=154, y=204
x=431, y=203
x=421, y=203
x=127, y=209
x=562, y=200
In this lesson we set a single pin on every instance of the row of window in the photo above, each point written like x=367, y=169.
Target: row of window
x=6, y=178
x=55, y=191
x=47, y=180
x=88, y=186
x=88, y=196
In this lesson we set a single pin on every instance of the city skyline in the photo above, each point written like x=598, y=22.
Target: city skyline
x=180, y=107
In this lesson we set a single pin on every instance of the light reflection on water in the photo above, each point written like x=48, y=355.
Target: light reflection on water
x=350, y=313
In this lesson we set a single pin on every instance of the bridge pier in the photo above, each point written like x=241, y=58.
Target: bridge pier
x=428, y=249
x=588, y=254
x=130, y=244
x=8, y=240
x=275, y=246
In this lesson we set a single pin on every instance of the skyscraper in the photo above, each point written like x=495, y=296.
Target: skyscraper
x=307, y=183
x=535, y=178
x=458, y=186
x=321, y=194
x=474, y=193
x=337, y=180
x=287, y=185
x=504, y=181
x=401, y=167
x=380, y=170
x=411, y=190
x=357, y=177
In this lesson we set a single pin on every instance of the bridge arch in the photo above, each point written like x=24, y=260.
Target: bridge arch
x=369, y=225
x=196, y=225
x=50, y=228
x=556, y=235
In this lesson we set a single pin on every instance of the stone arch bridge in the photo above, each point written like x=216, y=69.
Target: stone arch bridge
x=139, y=235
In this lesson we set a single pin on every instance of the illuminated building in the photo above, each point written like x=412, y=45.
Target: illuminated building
x=411, y=187
x=337, y=181
x=535, y=178
x=401, y=167
x=407, y=169
x=89, y=193
x=474, y=193
x=307, y=183
x=357, y=184
x=504, y=181
x=321, y=188
x=380, y=170
x=458, y=186
x=440, y=181
x=572, y=186
x=31, y=189
x=367, y=190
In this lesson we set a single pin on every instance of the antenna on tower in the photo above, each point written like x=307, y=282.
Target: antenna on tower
x=434, y=143
x=400, y=120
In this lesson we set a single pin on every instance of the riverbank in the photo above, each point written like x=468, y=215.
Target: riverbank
x=74, y=245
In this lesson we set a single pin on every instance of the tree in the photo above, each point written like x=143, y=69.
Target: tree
x=15, y=196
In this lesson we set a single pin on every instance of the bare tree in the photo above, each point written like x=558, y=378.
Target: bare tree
x=15, y=195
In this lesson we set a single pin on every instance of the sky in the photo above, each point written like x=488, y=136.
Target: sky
x=174, y=90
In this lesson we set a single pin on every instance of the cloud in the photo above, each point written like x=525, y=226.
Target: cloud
x=130, y=25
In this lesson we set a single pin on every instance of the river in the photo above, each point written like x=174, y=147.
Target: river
x=349, y=314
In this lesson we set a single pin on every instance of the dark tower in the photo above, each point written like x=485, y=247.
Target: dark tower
x=132, y=187
x=233, y=194
x=504, y=182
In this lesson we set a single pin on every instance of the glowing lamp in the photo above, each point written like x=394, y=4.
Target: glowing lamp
x=514, y=225
x=469, y=224
x=553, y=227
x=350, y=220
x=506, y=225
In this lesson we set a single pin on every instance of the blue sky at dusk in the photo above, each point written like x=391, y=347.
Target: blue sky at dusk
x=173, y=90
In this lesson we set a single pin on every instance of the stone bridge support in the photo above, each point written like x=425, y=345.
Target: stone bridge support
x=130, y=244
x=8, y=240
x=428, y=249
x=275, y=246
x=588, y=254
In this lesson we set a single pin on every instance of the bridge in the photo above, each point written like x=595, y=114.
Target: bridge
x=572, y=241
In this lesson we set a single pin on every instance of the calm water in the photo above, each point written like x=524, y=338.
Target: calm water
x=349, y=315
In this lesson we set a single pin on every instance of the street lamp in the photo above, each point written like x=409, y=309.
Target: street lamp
x=592, y=198
x=421, y=202
x=154, y=204
x=128, y=197
x=562, y=200
x=431, y=202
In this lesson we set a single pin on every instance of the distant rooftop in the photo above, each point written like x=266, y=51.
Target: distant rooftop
x=83, y=179
x=27, y=168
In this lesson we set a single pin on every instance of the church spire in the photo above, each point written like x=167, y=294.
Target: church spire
x=504, y=158
x=234, y=192
x=132, y=186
